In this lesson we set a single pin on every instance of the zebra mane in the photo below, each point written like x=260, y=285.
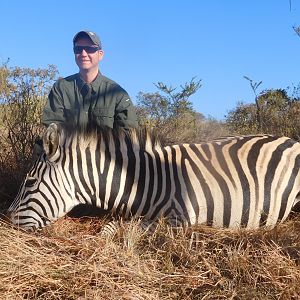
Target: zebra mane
x=142, y=138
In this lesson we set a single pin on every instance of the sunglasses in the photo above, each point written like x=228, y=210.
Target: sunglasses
x=87, y=49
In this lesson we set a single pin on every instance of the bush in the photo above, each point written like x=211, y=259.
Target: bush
x=23, y=93
x=278, y=115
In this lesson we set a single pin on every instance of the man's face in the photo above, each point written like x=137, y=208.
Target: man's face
x=87, y=61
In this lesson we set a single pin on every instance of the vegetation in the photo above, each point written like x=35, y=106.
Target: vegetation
x=171, y=113
x=70, y=260
x=274, y=112
x=23, y=92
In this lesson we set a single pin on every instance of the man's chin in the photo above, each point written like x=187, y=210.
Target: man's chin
x=84, y=67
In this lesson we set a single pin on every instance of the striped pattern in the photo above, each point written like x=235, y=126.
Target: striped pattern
x=245, y=181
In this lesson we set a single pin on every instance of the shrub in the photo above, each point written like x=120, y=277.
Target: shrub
x=23, y=93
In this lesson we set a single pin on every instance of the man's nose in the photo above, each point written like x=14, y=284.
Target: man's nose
x=83, y=52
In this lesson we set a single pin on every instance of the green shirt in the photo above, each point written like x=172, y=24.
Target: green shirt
x=102, y=102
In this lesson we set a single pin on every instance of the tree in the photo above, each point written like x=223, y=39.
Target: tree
x=242, y=119
x=169, y=111
x=296, y=28
x=23, y=92
x=279, y=115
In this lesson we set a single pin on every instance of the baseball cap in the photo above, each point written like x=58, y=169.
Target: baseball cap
x=92, y=35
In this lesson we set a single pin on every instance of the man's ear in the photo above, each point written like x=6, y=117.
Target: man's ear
x=51, y=139
x=100, y=55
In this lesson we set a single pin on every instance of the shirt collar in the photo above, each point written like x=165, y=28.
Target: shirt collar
x=94, y=85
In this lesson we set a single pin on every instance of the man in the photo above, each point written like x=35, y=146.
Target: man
x=88, y=97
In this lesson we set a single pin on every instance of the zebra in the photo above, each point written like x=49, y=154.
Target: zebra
x=233, y=182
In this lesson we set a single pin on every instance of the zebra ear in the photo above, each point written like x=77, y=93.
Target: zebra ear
x=51, y=139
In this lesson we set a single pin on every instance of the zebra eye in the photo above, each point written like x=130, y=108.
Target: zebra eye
x=30, y=181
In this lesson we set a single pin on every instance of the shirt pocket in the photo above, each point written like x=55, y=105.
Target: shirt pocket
x=104, y=116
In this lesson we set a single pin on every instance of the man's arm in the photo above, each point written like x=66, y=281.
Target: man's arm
x=54, y=109
x=125, y=114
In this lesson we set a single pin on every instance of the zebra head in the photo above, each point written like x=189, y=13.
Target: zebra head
x=45, y=194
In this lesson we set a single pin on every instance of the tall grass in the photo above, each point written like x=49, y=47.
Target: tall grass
x=70, y=260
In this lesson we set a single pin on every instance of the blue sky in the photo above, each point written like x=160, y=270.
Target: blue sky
x=171, y=41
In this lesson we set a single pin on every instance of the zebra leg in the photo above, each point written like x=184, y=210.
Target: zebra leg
x=110, y=229
x=148, y=226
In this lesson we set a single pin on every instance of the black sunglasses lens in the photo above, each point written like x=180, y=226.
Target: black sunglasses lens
x=87, y=49
x=77, y=50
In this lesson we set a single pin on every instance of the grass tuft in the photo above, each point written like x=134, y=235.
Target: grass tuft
x=70, y=260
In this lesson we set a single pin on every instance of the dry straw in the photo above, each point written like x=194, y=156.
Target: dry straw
x=69, y=260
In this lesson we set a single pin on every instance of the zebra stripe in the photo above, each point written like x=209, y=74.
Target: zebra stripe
x=244, y=181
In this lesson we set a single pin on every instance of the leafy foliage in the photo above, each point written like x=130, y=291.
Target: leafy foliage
x=23, y=92
x=279, y=115
x=170, y=112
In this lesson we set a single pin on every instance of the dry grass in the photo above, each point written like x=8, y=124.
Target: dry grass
x=69, y=260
